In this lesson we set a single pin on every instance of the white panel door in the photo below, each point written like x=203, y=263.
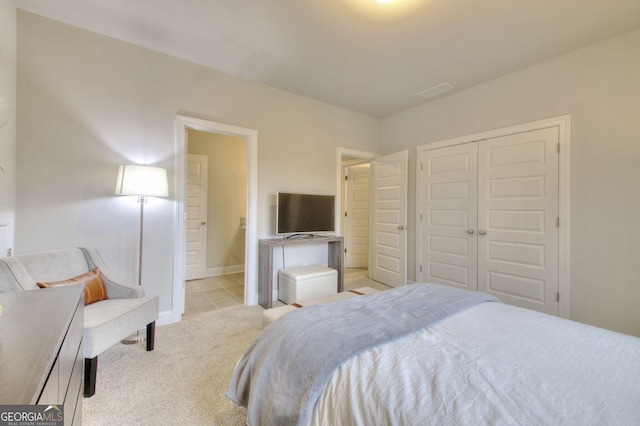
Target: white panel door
x=449, y=214
x=389, y=227
x=517, y=213
x=357, y=216
x=196, y=223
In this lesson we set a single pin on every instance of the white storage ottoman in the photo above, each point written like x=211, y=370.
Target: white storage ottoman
x=306, y=282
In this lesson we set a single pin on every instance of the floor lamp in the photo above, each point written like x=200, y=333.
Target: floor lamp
x=142, y=181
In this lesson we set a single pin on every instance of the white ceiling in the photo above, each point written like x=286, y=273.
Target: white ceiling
x=357, y=54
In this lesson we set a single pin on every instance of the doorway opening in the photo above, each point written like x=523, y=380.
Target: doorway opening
x=353, y=213
x=216, y=200
x=387, y=239
x=189, y=228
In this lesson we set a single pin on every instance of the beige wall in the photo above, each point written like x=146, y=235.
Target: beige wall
x=88, y=103
x=7, y=104
x=227, y=198
x=600, y=87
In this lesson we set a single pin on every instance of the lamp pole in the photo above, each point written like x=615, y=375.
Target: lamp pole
x=142, y=199
x=143, y=181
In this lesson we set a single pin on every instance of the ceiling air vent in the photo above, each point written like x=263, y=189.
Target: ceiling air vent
x=436, y=90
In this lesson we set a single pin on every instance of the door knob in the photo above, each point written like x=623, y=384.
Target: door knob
x=470, y=231
x=401, y=227
x=203, y=223
x=482, y=232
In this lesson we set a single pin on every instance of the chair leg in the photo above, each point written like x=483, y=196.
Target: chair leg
x=91, y=364
x=90, y=371
x=151, y=335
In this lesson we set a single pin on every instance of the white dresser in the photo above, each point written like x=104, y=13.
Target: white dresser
x=41, y=356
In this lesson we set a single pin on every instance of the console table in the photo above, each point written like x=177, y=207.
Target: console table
x=335, y=247
x=41, y=358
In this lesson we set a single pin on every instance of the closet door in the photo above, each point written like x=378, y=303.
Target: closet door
x=448, y=239
x=517, y=213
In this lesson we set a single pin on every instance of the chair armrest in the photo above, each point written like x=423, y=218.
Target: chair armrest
x=117, y=288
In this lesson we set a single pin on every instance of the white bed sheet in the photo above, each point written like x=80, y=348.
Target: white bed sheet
x=492, y=364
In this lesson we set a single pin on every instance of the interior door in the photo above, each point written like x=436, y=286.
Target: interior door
x=389, y=219
x=196, y=223
x=517, y=219
x=448, y=239
x=357, y=216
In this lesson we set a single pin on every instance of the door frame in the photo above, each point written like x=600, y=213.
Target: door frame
x=563, y=123
x=251, y=234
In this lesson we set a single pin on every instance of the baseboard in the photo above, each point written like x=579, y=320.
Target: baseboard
x=165, y=318
x=225, y=270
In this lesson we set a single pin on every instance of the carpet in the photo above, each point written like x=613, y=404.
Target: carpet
x=182, y=381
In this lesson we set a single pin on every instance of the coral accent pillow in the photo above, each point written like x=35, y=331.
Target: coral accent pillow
x=94, y=289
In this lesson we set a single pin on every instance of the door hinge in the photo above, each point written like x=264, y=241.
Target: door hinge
x=9, y=252
x=558, y=148
x=420, y=217
x=557, y=297
x=421, y=166
x=557, y=222
x=346, y=177
x=420, y=268
x=345, y=214
x=345, y=250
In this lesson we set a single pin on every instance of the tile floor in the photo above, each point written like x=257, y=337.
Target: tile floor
x=212, y=293
x=222, y=291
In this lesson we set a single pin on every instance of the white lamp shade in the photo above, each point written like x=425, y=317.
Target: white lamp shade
x=142, y=180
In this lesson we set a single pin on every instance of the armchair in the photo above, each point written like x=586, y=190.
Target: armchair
x=106, y=322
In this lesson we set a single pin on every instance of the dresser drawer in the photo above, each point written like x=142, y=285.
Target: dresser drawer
x=41, y=360
x=50, y=392
x=73, y=398
x=67, y=358
x=77, y=416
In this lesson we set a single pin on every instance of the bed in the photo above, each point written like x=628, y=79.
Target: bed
x=428, y=354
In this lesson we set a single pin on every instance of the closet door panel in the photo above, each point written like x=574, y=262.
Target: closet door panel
x=449, y=216
x=517, y=211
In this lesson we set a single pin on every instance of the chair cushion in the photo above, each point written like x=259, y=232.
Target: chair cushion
x=109, y=321
x=94, y=289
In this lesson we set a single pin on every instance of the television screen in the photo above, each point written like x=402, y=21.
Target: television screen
x=304, y=213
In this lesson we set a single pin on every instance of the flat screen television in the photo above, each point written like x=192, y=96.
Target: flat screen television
x=304, y=213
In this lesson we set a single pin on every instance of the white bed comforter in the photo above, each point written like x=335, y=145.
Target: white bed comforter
x=492, y=364
x=281, y=375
